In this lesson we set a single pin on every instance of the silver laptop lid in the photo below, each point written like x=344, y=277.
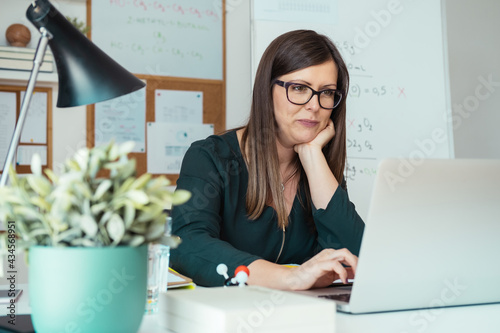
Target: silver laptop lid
x=432, y=236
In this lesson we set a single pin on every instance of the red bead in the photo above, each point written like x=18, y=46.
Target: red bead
x=240, y=269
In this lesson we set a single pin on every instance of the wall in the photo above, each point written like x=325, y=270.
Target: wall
x=474, y=58
x=238, y=62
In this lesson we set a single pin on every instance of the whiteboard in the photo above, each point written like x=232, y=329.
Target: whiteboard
x=163, y=38
x=398, y=103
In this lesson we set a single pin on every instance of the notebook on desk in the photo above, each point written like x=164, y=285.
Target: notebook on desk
x=432, y=238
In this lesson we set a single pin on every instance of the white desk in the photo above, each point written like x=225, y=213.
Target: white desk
x=464, y=319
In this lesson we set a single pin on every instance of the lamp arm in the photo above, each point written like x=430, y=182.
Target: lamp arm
x=39, y=54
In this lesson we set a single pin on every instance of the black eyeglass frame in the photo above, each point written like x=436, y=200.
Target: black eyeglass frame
x=314, y=92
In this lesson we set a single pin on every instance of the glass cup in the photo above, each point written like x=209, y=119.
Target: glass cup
x=158, y=263
x=153, y=279
x=164, y=258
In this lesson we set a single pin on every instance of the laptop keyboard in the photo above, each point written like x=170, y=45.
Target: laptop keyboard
x=337, y=297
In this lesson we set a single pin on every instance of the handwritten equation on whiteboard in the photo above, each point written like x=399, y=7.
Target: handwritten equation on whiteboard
x=158, y=6
x=355, y=170
x=168, y=38
x=372, y=96
x=359, y=140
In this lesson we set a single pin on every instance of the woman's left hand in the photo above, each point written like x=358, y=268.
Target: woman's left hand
x=322, y=182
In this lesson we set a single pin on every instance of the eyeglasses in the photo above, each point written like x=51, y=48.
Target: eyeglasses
x=300, y=94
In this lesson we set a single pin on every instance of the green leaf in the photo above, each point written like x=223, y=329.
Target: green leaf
x=106, y=217
x=129, y=214
x=88, y=225
x=138, y=197
x=126, y=148
x=118, y=203
x=150, y=213
x=9, y=196
x=103, y=187
x=82, y=189
x=72, y=165
x=180, y=197
x=97, y=156
x=55, y=222
x=38, y=232
x=14, y=179
x=67, y=179
x=159, y=201
x=127, y=185
x=113, y=165
x=82, y=158
x=113, y=153
x=60, y=204
x=158, y=183
x=141, y=181
x=62, y=227
x=83, y=242
x=39, y=184
x=51, y=175
x=27, y=213
x=85, y=207
x=155, y=230
x=36, y=164
x=22, y=230
x=139, y=228
x=98, y=208
x=172, y=241
x=102, y=236
x=136, y=240
x=115, y=228
x=128, y=169
x=40, y=203
x=68, y=235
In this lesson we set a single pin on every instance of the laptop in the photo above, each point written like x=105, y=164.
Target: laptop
x=432, y=238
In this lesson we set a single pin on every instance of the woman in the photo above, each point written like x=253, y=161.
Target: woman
x=272, y=192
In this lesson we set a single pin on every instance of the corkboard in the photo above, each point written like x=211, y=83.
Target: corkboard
x=214, y=110
x=25, y=169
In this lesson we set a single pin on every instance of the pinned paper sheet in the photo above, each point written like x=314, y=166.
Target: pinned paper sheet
x=25, y=154
x=35, y=124
x=8, y=106
x=122, y=119
x=178, y=106
x=167, y=144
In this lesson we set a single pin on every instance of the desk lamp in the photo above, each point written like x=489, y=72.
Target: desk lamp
x=86, y=74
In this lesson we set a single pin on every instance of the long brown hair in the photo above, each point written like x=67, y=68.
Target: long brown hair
x=289, y=52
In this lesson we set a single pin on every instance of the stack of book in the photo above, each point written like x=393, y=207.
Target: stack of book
x=21, y=58
x=244, y=309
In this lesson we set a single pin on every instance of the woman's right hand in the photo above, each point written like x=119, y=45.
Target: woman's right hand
x=322, y=269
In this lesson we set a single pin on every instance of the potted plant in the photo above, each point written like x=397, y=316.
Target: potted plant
x=86, y=238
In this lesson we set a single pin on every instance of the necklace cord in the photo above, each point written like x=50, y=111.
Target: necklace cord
x=288, y=179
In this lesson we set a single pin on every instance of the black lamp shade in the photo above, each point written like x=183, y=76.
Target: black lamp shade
x=86, y=74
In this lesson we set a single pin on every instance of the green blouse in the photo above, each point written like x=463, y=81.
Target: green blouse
x=215, y=229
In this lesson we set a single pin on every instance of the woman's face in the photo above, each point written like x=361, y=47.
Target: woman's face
x=301, y=123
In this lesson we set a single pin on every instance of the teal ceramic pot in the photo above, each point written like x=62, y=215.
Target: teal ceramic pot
x=80, y=290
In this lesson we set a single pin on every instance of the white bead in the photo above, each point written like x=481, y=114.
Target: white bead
x=222, y=270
